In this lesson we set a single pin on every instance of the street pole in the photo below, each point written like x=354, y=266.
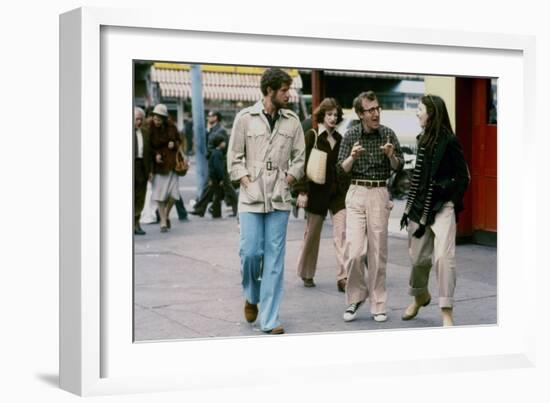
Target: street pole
x=317, y=91
x=199, y=130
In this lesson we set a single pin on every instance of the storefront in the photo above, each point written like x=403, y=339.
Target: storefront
x=476, y=126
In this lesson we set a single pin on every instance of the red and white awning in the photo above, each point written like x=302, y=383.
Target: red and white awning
x=219, y=86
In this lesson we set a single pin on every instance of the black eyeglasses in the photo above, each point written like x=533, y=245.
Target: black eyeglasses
x=372, y=110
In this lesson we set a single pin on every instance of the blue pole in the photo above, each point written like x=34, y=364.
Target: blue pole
x=199, y=129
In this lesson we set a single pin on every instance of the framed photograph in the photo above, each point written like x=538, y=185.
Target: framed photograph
x=187, y=279
x=100, y=353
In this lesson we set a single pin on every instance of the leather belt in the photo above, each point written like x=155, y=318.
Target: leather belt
x=268, y=165
x=367, y=183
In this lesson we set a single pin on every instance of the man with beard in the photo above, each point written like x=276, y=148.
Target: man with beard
x=266, y=155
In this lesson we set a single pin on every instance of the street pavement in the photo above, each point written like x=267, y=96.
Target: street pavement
x=187, y=282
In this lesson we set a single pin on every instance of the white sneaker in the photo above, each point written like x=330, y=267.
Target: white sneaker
x=351, y=312
x=380, y=317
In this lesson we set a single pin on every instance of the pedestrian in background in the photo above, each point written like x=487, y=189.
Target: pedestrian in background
x=215, y=133
x=217, y=172
x=165, y=141
x=319, y=199
x=266, y=154
x=188, y=132
x=217, y=130
x=180, y=203
x=439, y=181
x=142, y=167
x=214, y=128
x=368, y=154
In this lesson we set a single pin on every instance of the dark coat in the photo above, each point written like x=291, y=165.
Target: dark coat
x=449, y=174
x=216, y=131
x=159, y=138
x=332, y=194
x=146, y=149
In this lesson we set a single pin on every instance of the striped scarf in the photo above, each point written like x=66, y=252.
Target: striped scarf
x=415, y=181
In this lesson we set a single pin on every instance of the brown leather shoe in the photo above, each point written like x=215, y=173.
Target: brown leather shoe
x=250, y=311
x=275, y=330
x=412, y=309
x=308, y=282
x=341, y=284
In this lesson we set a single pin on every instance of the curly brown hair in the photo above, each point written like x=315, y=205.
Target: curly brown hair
x=326, y=105
x=274, y=78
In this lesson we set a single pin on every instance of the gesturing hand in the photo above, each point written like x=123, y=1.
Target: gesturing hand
x=357, y=150
x=388, y=148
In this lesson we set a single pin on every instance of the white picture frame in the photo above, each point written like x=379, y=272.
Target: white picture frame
x=97, y=356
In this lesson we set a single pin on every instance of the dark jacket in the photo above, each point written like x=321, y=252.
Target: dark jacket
x=159, y=138
x=332, y=194
x=449, y=175
x=146, y=149
x=216, y=131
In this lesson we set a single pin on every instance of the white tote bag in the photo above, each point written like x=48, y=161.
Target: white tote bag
x=317, y=164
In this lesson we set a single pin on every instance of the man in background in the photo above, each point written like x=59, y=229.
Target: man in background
x=142, y=167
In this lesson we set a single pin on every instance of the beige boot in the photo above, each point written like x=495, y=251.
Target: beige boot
x=447, y=314
x=419, y=301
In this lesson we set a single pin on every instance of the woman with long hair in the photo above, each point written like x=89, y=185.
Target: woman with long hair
x=438, y=183
x=318, y=199
x=165, y=142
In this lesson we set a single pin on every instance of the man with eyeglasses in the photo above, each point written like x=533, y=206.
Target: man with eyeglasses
x=368, y=154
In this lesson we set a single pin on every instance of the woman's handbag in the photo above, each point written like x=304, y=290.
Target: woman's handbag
x=181, y=164
x=317, y=164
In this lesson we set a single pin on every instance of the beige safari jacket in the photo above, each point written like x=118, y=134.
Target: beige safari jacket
x=266, y=157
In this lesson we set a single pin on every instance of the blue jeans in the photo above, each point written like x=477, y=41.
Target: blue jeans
x=262, y=252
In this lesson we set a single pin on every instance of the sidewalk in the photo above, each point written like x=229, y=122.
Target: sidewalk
x=187, y=283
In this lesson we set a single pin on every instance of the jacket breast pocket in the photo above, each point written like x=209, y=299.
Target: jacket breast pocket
x=255, y=141
x=256, y=135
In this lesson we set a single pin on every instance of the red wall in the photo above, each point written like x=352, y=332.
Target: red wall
x=479, y=140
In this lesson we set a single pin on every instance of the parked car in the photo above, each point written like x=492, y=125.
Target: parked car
x=409, y=157
x=400, y=182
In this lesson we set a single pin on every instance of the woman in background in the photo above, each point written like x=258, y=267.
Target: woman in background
x=165, y=141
